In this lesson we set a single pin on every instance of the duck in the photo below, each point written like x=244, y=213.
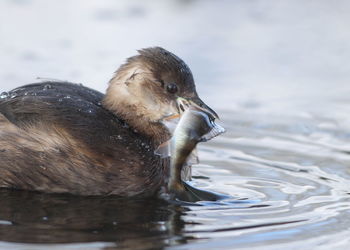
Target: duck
x=63, y=137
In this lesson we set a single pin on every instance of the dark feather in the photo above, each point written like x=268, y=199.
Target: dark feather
x=89, y=150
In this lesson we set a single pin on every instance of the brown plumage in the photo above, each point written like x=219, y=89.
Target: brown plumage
x=62, y=137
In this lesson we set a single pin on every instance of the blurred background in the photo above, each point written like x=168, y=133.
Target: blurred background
x=242, y=53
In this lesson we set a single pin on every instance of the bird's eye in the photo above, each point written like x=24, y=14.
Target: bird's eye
x=172, y=88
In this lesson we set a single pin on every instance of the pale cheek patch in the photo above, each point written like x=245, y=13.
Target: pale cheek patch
x=147, y=99
x=134, y=95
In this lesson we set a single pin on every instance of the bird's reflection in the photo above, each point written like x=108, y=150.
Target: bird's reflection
x=29, y=217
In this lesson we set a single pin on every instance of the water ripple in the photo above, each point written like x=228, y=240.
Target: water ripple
x=285, y=181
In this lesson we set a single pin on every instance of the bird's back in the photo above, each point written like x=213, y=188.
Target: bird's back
x=57, y=137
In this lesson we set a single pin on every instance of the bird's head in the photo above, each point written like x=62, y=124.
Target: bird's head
x=150, y=87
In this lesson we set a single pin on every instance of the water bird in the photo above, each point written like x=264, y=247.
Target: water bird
x=61, y=137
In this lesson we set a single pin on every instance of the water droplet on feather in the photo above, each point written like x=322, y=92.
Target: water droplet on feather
x=4, y=95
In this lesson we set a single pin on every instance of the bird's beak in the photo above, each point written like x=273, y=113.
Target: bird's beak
x=184, y=103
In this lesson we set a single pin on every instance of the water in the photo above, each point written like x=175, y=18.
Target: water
x=276, y=72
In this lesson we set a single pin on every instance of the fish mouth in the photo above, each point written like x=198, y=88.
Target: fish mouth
x=197, y=103
x=214, y=132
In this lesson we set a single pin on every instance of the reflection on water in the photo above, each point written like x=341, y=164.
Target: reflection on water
x=38, y=218
x=277, y=73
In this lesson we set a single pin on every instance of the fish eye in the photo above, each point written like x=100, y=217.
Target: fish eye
x=211, y=118
x=172, y=88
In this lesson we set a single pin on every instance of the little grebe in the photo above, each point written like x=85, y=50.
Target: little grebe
x=61, y=137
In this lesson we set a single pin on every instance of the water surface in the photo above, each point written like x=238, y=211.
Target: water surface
x=276, y=71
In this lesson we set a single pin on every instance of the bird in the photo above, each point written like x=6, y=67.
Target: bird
x=63, y=137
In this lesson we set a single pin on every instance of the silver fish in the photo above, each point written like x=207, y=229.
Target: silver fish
x=194, y=126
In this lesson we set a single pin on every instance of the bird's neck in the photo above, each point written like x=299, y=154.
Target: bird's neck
x=137, y=119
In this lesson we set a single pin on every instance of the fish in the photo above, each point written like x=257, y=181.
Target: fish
x=194, y=126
